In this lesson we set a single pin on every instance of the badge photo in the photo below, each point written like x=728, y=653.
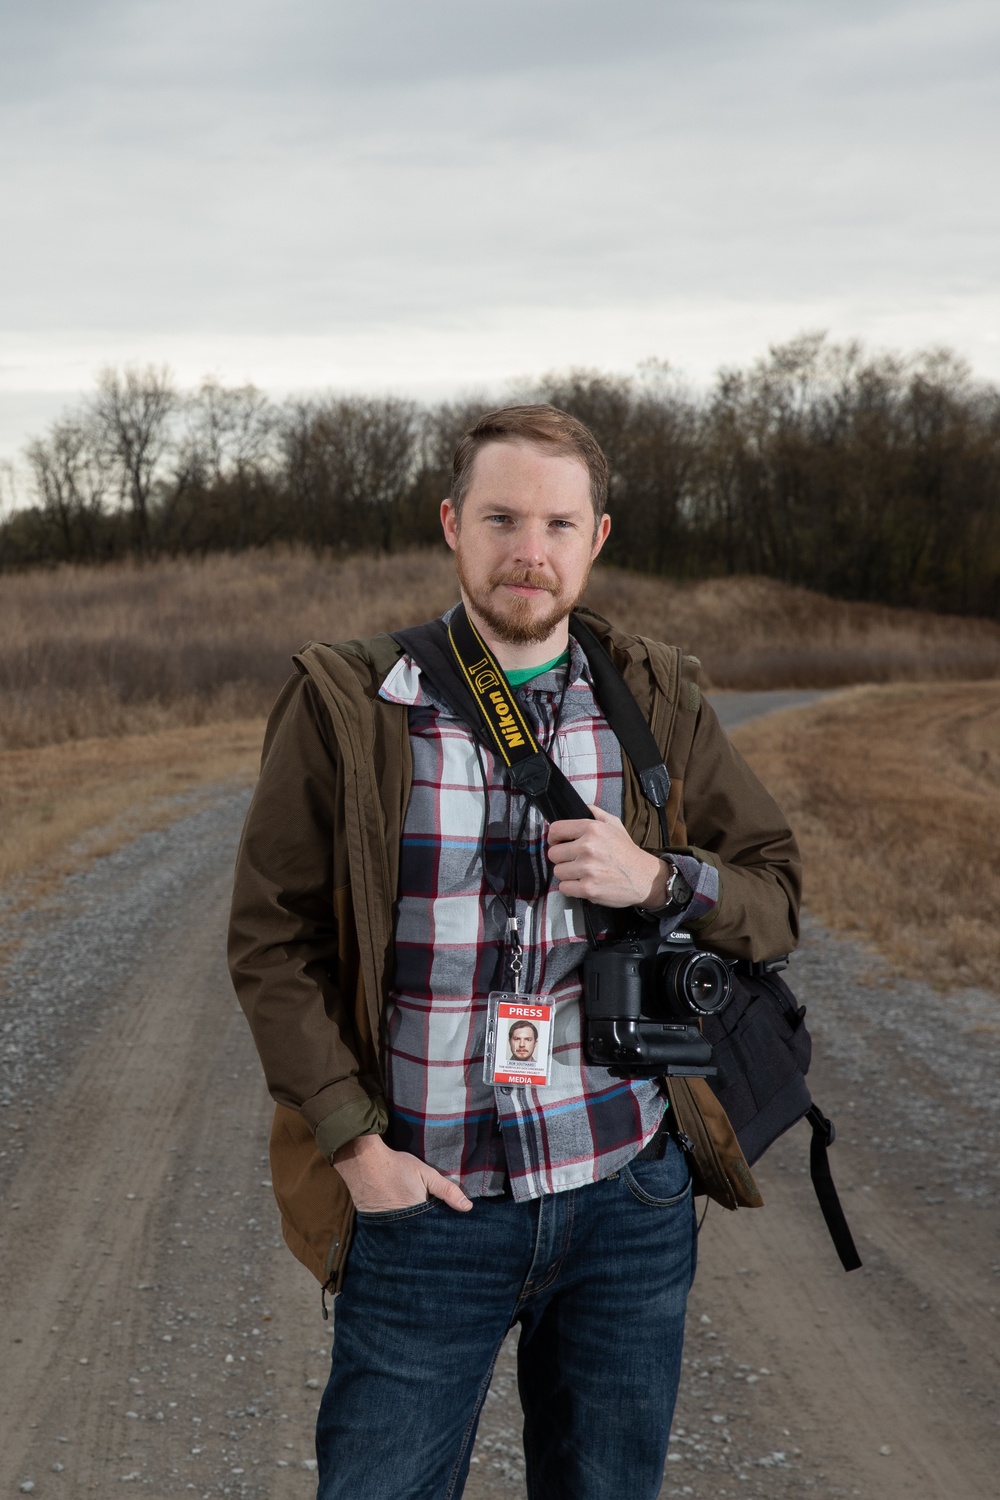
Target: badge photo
x=519, y=1040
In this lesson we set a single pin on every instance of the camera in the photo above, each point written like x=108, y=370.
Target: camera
x=643, y=999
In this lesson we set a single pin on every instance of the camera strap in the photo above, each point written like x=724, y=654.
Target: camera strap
x=505, y=728
x=627, y=721
x=467, y=675
x=471, y=681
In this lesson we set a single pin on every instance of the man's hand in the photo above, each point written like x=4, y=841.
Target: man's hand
x=599, y=862
x=379, y=1178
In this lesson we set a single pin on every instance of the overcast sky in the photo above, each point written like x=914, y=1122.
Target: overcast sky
x=433, y=195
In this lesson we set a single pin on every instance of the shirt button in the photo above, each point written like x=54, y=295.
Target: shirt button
x=505, y=1090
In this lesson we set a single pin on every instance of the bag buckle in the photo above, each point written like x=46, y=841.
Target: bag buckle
x=756, y=967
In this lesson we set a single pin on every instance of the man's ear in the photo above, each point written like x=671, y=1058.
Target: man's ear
x=601, y=534
x=449, y=523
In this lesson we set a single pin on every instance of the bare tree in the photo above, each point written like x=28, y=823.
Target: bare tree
x=865, y=476
x=224, y=454
x=132, y=411
x=350, y=463
x=75, y=484
x=228, y=430
x=9, y=488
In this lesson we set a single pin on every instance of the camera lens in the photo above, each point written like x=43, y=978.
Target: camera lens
x=695, y=981
x=707, y=985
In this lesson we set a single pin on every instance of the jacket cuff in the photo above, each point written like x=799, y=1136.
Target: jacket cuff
x=359, y=1117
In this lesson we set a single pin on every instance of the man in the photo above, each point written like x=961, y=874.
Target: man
x=523, y=1039
x=388, y=879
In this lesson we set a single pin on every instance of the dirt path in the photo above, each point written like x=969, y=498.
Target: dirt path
x=156, y=1332
x=734, y=709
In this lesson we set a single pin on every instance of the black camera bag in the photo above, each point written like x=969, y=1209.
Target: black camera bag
x=761, y=1049
x=760, y=1045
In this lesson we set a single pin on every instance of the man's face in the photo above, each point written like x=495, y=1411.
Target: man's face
x=525, y=541
x=522, y=1043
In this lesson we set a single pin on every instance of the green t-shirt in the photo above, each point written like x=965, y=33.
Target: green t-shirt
x=518, y=676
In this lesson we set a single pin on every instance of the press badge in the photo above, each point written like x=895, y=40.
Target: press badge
x=518, y=1039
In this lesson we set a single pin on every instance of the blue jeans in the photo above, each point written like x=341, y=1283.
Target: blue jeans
x=598, y=1279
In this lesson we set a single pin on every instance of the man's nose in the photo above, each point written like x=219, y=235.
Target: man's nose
x=530, y=548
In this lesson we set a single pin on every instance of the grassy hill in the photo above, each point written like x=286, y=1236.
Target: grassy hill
x=122, y=687
x=91, y=652
x=894, y=795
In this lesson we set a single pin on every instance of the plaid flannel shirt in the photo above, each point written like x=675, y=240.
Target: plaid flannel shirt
x=450, y=953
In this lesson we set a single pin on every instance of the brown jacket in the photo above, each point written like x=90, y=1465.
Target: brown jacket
x=310, y=946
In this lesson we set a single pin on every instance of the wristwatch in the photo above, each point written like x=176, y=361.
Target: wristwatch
x=679, y=894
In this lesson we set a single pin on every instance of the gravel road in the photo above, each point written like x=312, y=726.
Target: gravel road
x=157, y=1333
x=738, y=708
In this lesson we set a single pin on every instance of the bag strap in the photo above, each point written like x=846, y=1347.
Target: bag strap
x=823, y=1136
x=627, y=721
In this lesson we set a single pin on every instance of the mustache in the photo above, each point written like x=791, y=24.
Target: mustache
x=524, y=577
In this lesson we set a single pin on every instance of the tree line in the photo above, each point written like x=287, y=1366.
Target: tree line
x=866, y=476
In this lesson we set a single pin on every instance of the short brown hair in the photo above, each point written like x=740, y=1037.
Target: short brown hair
x=545, y=426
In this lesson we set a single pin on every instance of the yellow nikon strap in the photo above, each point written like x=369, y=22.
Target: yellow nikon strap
x=508, y=729
x=508, y=732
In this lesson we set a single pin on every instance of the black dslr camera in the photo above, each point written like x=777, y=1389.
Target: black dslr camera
x=642, y=1002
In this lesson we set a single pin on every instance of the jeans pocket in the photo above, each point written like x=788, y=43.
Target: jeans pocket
x=662, y=1183
x=393, y=1215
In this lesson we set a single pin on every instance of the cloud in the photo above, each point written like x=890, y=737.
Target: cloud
x=177, y=173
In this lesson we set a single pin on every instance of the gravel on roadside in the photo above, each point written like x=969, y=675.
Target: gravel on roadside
x=71, y=956
x=910, y=1074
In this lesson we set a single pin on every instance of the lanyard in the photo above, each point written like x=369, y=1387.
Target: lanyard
x=506, y=891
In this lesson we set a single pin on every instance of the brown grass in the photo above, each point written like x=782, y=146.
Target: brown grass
x=121, y=686
x=895, y=795
x=88, y=652
x=753, y=633
x=63, y=804
x=894, y=792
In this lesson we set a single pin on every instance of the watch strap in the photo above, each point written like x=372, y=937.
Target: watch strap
x=679, y=895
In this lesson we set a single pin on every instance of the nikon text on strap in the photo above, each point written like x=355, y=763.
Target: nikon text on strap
x=508, y=732
x=466, y=674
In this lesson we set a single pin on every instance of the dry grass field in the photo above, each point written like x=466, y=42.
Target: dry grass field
x=88, y=652
x=755, y=633
x=121, y=687
x=894, y=793
x=61, y=805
